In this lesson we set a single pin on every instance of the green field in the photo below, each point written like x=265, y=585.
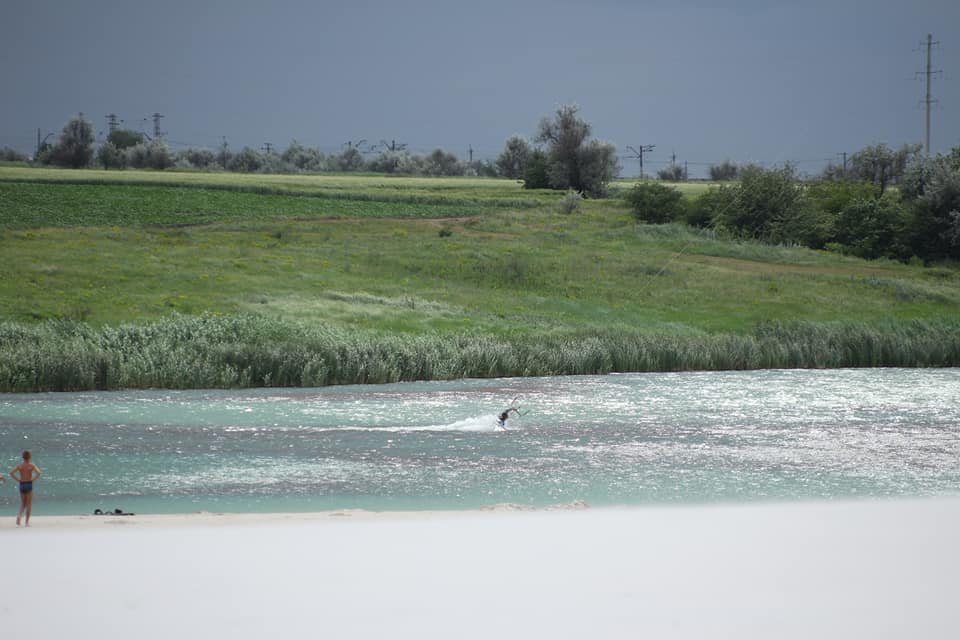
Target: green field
x=417, y=258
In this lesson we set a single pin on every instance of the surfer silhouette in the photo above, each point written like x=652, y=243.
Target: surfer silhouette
x=503, y=417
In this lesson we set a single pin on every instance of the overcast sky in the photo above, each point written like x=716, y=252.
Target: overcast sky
x=764, y=81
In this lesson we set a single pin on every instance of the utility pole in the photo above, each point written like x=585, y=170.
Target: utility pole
x=470, y=151
x=112, y=122
x=686, y=175
x=843, y=154
x=267, y=148
x=224, y=153
x=638, y=154
x=928, y=100
x=157, y=134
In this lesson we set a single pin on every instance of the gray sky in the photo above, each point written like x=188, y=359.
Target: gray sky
x=769, y=82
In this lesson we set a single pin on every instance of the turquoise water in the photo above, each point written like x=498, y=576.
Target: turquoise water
x=604, y=440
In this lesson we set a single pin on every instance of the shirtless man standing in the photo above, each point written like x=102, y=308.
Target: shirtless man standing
x=25, y=473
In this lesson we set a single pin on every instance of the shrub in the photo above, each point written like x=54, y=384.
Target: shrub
x=703, y=209
x=673, y=173
x=570, y=202
x=655, y=203
x=872, y=227
x=153, y=155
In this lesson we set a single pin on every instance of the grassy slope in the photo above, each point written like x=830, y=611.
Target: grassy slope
x=408, y=254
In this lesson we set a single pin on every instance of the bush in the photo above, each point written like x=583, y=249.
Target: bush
x=153, y=155
x=703, y=209
x=872, y=228
x=570, y=202
x=769, y=205
x=673, y=173
x=655, y=203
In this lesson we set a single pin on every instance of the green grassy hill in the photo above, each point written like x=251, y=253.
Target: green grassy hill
x=374, y=258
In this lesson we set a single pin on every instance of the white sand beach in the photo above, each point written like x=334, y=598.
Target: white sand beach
x=871, y=569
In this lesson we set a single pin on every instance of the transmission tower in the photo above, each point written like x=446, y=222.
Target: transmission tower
x=927, y=99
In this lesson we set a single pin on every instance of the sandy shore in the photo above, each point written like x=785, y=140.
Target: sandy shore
x=872, y=569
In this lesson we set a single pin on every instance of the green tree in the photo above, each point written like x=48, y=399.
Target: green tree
x=572, y=162
x=247, y=160
x=724, y=172
x=75, y=147
x=882, y=165
x=512, y=161
x=535, y=173
x=932, y=187
x=441, y=163
x=125, y=138
x=110, y=157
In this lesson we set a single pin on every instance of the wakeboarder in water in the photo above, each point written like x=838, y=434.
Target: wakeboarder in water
x=503, y=417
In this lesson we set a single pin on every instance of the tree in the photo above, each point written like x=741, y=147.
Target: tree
x=303, y=158
x=75, y=147
x=572, y=163
x=441, y=163
x=247, y=160
x=350, y=160
x=598, y=166
x=723, y=172
x=12, y=155
x=535, y=173
x=125, y=138
x=512, y=161
x=111, y=157
x=152, y=155
x=932, y=187
x=882, y=165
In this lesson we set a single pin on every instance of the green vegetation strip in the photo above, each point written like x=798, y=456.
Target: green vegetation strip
x=248, y=351
x=27, y=206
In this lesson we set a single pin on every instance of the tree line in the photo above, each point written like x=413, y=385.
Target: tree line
x=849, y=208
x=852, y=212
x=562, y=157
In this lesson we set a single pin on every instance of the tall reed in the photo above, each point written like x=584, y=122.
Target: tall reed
x=252, y=351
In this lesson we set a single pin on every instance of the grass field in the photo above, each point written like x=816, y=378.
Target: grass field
x=437, y=259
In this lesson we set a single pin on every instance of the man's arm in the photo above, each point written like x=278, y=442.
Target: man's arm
x=36, y=472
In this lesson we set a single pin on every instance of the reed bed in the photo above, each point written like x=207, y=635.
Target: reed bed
x=251, y=351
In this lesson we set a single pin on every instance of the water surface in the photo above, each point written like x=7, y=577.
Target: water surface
x=603, y=440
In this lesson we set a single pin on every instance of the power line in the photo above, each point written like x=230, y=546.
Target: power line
x=638, y=154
